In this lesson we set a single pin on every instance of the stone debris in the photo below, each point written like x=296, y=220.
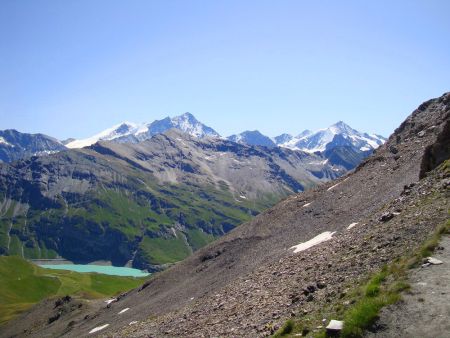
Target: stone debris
x=387, y=216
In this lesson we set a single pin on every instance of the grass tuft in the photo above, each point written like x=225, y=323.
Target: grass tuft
x=286, y=329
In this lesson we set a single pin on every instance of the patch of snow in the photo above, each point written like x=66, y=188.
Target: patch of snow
x=174, y=232
x=242, y=196
x=133, y=322
x=323, y=237
x=108, y=134
x=124, y=310
x=306, y=205
x=352, y=225
x=109, y=301
x=99, y=328
x=334, y=186
x=3, y=141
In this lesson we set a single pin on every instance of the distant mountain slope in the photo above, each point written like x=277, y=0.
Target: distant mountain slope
x=128, y=132
x=253, y=138
x=15, y=145
x=249, y=282
x=149, y=204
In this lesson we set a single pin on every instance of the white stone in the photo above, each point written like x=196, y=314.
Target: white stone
x=434, y=261
x=335, y=325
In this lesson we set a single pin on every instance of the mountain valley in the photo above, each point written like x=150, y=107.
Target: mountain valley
x=251, y=280
x=147, y=204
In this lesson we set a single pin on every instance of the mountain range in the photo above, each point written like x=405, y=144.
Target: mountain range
x=15, y=145
x=338, y=134
x=157, y=191
x=145, y=204
x=298, y=262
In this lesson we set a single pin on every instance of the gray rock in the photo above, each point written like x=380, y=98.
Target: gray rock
x=386, y=217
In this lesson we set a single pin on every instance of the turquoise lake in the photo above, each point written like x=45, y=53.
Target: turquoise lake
x=107, y=270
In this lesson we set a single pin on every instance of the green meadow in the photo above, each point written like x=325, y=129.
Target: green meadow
x=24, y=284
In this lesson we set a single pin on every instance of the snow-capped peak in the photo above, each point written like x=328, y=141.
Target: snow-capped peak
x=119, y=130
x=189, y=124
x=254, y=138
x=326, y=138
x=132, y=132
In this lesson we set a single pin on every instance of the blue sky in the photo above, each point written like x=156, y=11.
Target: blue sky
x=73, y=68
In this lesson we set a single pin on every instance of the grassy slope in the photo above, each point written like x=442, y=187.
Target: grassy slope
x=24, y=284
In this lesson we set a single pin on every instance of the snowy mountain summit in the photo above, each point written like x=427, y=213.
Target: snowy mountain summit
x=338, y=134
x=128, y=132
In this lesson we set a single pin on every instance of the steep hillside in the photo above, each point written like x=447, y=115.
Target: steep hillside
x=15, y=145
x=250, y=281
x=147, y=204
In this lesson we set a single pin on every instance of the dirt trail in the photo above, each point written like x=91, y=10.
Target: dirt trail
x=425, y=312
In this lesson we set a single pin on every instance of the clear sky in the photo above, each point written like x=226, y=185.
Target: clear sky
x=75, y=67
